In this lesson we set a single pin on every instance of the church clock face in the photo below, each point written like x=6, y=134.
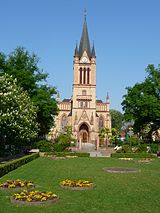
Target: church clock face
x=84, y=60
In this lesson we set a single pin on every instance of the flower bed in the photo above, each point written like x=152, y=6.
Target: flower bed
x=127, y=159
x=77, y=184
x=145, y=160
x=34, y=197
x=17, y=184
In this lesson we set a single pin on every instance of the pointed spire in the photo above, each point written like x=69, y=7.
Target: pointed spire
x=93, y=53
x=76, y=53
x=107, y=98
x=84, y=43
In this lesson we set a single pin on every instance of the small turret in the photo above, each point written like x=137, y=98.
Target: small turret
x=76, y=52
x=107, y=98
x=93, y=53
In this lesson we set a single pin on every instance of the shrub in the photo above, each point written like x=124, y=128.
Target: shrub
x=6, y=168
x=62, y=142
x=154, y=148
x=63, y=154
x=44, y=146
x=132, y=155
x=132, y=141
x=141, y=148
x=125, y=149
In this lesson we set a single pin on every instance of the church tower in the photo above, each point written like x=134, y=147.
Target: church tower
x=83, y=112
x=84, y=89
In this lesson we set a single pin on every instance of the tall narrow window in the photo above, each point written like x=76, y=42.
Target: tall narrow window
x=80, y=75
x=63, y=121
x=101, y=122
x=81, y=104
x=84, y=76
x=85, y=104
x=88, y=75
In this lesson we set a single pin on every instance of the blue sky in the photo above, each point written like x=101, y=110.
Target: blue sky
x=126, y=35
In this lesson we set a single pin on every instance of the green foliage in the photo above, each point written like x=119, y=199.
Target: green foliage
x=17, y=113
x=154, y=148
x=141, y=148
x=133, y=141
x=44, y=146
x=64, y=154
x=104, y=133
x=142, y=101
x=24, y=67
x=116, y=119
x=6, y=168
x=125, y=149
x=63, y=141
x=114, y=135
x=132, y=155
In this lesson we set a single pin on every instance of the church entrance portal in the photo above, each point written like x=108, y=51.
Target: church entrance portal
x=84, y=133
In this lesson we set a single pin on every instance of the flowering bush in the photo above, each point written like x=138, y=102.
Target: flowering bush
x=77, y=183
x=16, y=184
x=34, y=196
x=17, y=113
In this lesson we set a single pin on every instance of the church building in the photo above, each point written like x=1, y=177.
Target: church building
x=83, y=111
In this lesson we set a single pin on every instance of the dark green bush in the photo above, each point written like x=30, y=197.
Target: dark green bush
x=141, y=148
x=6, y=168
x=126, y=148
x=154, y=148
x=132, y=141
x=62, y=142
x=60, y=147
x=44, y=146
x=132, y=155
x=63, y=154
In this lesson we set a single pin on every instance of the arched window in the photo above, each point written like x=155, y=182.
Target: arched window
x=84, y=75
x=80, y=77
x=63, y=121
x=88, y=75
x=101, y=122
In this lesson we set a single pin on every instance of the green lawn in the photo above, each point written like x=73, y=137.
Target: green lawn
x=119, y=193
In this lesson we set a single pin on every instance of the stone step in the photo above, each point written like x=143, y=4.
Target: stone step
x=95, y=154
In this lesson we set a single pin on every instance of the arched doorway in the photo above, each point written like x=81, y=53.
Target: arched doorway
x=84, y=133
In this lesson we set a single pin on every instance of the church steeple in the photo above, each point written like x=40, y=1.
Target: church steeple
x=84, y=43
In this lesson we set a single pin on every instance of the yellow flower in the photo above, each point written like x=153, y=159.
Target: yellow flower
x=22, y=184
x=29, y=184
x=54, y=195
x=44, y=199
x=29, y=199
x=11, y=186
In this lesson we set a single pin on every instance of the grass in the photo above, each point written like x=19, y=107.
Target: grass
x=118, y=193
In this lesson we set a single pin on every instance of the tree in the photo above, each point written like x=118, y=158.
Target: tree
x=17, y=113
x=24, y=67
x=105, y=134
x=116, y=119
x=142, y=101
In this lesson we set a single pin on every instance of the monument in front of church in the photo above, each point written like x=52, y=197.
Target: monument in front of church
x=83, y=112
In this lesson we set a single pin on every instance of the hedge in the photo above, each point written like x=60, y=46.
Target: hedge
x=63, y=154
x=8, y=167
x=132, y=155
